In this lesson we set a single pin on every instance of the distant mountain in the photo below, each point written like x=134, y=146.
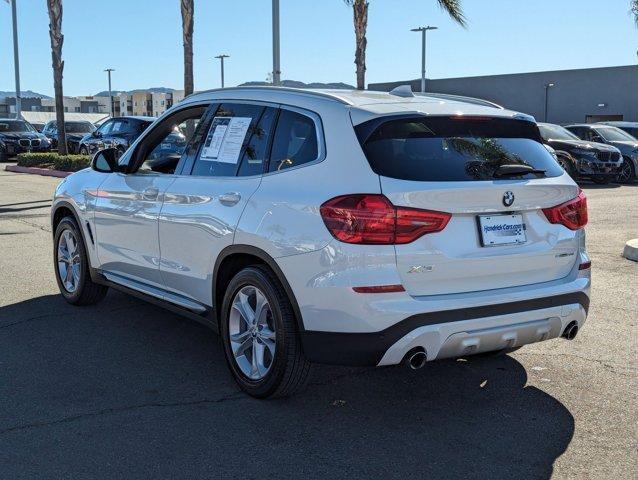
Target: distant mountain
x=24, y=94
x=105, y=93
x=297, y=84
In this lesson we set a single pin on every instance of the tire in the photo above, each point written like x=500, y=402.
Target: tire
x=280, y=374
x=79, y=289
x=84, y=150
x=566, y=163
x=627, y=172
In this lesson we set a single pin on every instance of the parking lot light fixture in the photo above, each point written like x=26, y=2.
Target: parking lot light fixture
x=547, y=87
x=423, y=31
x=108, y=71
x=221, y=58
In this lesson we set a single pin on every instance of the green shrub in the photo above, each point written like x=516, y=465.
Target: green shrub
x=66, y=163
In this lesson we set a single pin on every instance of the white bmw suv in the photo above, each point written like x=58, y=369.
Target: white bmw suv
x=345, y=227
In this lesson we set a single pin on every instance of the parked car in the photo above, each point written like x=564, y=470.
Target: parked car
x=630, y=127
x=17, y=136
x=117, y=133
x=75, y=132
x=345, y=227
x=620, y=139
x=579, y=158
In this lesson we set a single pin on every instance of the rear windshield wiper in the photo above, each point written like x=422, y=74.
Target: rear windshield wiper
x=515, y=170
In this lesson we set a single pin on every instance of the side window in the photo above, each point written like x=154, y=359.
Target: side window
x=236, y=142
x=119, y=126
x=163, y=148
x=295, y=141
x=105, y=128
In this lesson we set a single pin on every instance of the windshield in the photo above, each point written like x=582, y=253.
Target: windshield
x=78, y=127
x=556, y=132
x=15, y=126
x=613, y=134
x=454, y=148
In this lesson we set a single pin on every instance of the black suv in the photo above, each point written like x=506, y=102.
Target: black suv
x=17, y=136
x=75, y=132
x=117, y=133
x=580, y=158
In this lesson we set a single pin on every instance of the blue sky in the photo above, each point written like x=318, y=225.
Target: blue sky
x=141, y=39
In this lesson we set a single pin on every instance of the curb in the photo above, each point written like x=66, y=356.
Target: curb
x=631, y=250
x=45, y=172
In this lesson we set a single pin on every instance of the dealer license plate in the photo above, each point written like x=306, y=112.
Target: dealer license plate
x=501, y=230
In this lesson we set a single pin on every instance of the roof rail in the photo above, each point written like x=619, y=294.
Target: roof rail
x=462, y=98
x=302, y=91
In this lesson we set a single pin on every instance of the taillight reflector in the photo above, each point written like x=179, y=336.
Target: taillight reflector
x=379, y=289
x=371, y=219
x=584, y=265
x=571, y=214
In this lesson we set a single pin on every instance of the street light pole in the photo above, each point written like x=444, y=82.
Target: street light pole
x=547, y=87
x=423, y=31
x=108, y=71
x=221, y=58
x=276, y=66
x=16, y=58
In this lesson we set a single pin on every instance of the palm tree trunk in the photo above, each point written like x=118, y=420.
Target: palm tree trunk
x=57, y=39
x=188, y=12
x=360, y=10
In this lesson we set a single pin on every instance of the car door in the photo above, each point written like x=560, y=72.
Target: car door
x=128, y=205
x=202, y=207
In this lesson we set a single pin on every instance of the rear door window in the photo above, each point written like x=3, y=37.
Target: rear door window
x=439, y=149
x=236, y=142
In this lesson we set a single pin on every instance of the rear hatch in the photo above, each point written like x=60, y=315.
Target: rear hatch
x=494, y=177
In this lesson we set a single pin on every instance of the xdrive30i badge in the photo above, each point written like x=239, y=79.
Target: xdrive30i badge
x=508, y=199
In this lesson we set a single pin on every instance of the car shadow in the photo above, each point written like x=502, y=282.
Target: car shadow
x=127, y=388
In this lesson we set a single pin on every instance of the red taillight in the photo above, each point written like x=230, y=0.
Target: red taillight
x=572, y=214
x=372, y=220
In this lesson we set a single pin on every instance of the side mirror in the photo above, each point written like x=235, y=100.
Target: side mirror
x=96, y=133
x=105, y=161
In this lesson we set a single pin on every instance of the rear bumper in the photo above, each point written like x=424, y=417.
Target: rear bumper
x=452, y=333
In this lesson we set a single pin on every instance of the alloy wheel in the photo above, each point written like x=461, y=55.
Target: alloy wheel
x=625, y=173
x=251, y=329
x=69, y=262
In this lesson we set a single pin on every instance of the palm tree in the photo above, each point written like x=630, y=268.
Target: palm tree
x=57, y=39
x=634, y=10
x=188, y=12
x=360, y=11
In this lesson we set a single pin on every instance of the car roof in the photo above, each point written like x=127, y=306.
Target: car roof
x=135, y=117
x=367, y=102
x=619, y=124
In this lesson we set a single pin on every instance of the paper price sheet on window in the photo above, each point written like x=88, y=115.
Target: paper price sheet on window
x=225, y=139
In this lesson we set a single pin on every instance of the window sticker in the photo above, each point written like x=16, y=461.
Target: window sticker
x=225, y=139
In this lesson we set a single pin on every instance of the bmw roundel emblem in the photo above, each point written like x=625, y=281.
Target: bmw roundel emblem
x=508, y=199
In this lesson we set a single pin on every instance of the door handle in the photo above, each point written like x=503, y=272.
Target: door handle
x=151, y=193
x=229, y=199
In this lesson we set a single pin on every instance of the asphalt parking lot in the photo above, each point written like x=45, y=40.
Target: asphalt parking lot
x=125, y=389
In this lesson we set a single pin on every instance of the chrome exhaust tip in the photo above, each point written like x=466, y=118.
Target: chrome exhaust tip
x=570, y=331
x=415, y=358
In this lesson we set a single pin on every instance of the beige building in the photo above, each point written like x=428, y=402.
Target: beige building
x=142, y=103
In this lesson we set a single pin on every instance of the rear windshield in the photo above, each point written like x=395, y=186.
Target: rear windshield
x=441, y=149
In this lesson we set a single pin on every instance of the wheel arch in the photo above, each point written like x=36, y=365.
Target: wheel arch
x=236, y=257
x=61, y=210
